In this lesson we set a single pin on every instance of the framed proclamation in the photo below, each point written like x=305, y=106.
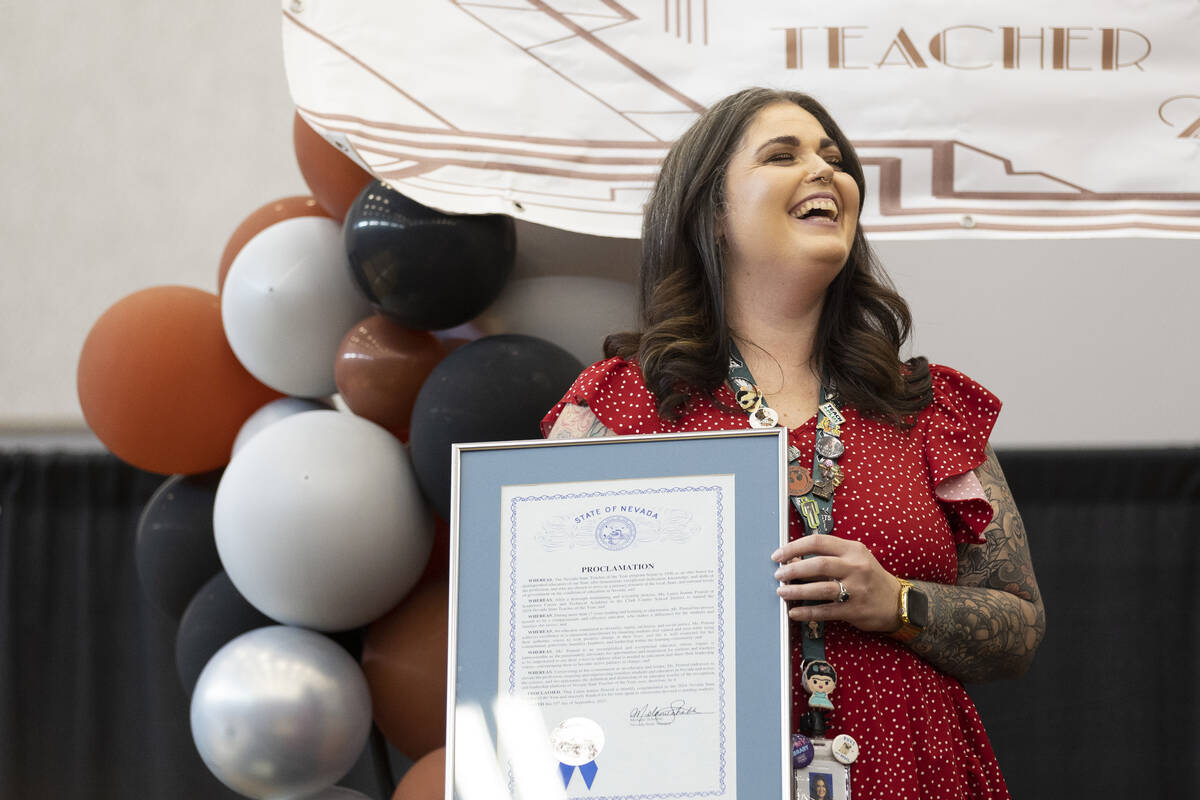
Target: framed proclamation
x=615, y=633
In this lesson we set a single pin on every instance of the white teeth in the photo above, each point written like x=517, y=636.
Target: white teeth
x=821, y=203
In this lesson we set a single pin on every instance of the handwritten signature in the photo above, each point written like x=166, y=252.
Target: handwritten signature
x=662, y=715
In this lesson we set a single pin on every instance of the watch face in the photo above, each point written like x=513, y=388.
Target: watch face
x=918, y=608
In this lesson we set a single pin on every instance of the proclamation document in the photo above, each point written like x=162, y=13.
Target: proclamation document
x=616, y=619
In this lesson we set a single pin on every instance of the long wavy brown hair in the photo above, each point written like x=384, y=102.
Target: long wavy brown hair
x=683, y=345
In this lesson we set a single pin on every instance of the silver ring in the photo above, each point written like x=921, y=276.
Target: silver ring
x=843, y=595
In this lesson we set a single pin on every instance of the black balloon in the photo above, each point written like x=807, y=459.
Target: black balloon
x=425, y=269
x=216, y=616
x=176, y=552
x=493, y=389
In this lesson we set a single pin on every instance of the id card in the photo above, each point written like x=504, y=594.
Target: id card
x=824, y=778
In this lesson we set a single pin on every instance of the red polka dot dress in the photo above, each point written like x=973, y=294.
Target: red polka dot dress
x=920, y=735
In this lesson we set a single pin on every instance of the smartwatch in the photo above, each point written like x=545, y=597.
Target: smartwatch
x=914, y=612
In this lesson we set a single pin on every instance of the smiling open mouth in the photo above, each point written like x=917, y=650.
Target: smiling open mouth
x=817, y=207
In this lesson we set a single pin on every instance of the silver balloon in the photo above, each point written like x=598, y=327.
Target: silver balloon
x=280, y=712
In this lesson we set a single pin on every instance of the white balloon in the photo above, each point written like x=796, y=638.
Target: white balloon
x=288, y=300
x=271, y=413
x=280, y=712
x=573, y=312
x=319, y=522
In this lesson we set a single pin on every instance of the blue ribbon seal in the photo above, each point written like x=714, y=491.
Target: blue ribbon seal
x=577, y=741
x=588, y=771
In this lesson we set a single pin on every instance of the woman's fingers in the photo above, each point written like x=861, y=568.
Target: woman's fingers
x=817, y=544
x=822, y=612
x=822, y=591
x=808, y=569
x=832, y=566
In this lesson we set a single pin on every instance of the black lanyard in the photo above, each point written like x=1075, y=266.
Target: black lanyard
x=811, y=493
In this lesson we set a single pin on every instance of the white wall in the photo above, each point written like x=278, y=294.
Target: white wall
x=138, y=135
x=1088, y=342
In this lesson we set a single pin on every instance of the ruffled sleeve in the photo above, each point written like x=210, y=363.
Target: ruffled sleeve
x=957, y=425
x=616, y=393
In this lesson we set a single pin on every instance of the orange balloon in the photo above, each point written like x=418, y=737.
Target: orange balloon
x=333, y=178
x=404, y=659
x=159, y=385
x=380, y=367
x=262, y=218
x=425, y=780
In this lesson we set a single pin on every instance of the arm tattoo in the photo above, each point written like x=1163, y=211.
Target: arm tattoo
x=578, y=422
x=989, y=624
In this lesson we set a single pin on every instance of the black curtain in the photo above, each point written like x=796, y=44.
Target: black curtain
x=1109, y=707
x=91, y=706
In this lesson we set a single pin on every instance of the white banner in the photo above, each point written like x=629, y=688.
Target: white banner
x=1022, y=118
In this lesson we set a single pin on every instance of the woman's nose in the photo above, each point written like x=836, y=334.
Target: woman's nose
x=820, y=170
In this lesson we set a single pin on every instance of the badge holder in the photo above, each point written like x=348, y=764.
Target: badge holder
x=824, y=777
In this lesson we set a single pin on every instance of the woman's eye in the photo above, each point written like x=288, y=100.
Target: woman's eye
x=834, y=161
x=779, y=157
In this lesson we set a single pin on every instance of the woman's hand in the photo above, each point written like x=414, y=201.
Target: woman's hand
x=874, y=600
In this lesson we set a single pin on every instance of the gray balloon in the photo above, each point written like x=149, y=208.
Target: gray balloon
x=280, y=712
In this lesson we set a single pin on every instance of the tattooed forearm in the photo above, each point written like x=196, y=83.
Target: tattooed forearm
x=978, y=634
x=578, y=422
x=990, y=624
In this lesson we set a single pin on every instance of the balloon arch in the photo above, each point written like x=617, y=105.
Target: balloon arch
x=304, y=413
